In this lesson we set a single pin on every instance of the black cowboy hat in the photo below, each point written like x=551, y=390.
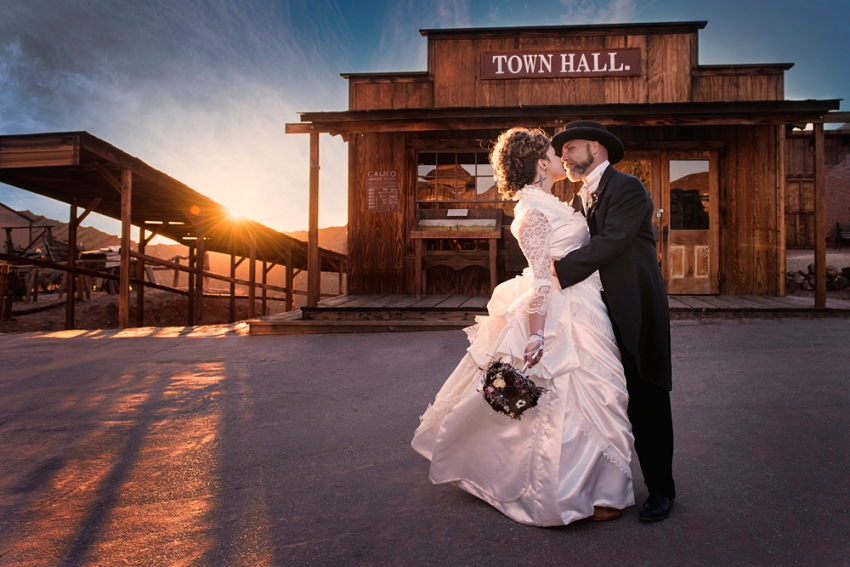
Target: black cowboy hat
x=593, y=131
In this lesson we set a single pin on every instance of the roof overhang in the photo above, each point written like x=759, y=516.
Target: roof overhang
x=77, y=166
x=659, y=114
x=565, y=31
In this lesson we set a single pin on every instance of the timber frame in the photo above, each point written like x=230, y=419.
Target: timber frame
x=84, y=171
x=735, y=113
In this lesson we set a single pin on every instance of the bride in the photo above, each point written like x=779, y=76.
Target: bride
x=568, y=458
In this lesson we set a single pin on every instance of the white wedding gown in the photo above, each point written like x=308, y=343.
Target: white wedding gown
x=572, y=451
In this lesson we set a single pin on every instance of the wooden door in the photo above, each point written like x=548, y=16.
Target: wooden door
x=690, y=237
x=646, y=166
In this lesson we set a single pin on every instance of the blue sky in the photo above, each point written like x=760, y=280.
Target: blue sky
x=201, y=89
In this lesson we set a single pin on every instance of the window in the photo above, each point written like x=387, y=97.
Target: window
x=455, y=177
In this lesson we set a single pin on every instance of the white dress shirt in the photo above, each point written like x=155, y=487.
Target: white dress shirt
x=591, y=186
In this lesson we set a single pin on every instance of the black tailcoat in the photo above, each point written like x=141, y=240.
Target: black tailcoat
x=622, y=248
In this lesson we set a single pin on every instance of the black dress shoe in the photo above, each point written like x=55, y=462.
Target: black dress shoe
x=656, y=507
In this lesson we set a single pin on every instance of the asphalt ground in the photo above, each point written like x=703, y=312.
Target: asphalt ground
x=208, y=447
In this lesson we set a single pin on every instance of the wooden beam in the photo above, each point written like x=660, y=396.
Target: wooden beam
x=289, y=277
x=33, y=241
x=252, y=278
x=155, y=232
x=780, y=215
x=200, y=257
x=70, y=279
x=111, y=179
x=341, y=278
x=190, y=315
x=820, y=218
x=313, y=266
x=232, y=313
x=264, y=292
x=835, y=118
x=39, y=151
x=140, y=275
x=124, y=269
x=89, y=209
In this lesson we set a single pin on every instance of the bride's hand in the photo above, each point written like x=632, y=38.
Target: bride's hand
x=533, y=350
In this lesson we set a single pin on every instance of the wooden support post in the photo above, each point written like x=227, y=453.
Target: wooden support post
x=140, y=275
x=200, y=257
x=342, y=277
x=780, y=214
x=252, y=278
x=124, y=270
x=70, y=280
x=289, y=278
x=191, y=286
x=417, y=285
x=820, y=219
x=263, y=293
x=232, y=317
x=493, y=256
x=313, y=266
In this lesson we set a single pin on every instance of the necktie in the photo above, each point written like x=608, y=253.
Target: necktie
x=590, y=198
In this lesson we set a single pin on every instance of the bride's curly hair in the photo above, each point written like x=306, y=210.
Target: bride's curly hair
x=514, y=158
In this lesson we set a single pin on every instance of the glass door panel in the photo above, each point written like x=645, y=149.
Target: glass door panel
x=689, y=261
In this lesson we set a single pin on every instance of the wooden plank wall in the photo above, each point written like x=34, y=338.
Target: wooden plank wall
x=668, y=61
x=749, y=191
x=390, y=93
x=376, y=241
x=709, y=86
x=380, y=251
x=671, y=73
x=800, y=188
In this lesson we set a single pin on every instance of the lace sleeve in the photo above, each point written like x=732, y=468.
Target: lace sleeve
x=533, y=233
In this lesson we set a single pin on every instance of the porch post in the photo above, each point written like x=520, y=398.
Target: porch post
x=820, y=219
x=140, y=275
x=232, y=317
x=289, y=278
x=190, y=286
x=252, y=278
x=71, y=276
x=780, y=217
x=124, y=281
x=263, y=293
x=200, y=256
x=313, y=266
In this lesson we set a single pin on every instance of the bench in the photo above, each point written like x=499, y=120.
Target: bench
x=842, y=232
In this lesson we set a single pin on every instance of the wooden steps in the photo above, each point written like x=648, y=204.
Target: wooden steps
x=377, y=314
x=384, y=313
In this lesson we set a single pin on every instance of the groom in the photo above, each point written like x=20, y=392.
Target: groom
x=622, y=247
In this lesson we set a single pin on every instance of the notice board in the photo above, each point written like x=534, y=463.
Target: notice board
x=382, y=190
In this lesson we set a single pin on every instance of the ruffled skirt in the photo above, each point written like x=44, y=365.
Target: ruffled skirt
x=565, y=456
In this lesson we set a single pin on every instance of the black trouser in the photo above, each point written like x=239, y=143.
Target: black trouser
x=652, y=425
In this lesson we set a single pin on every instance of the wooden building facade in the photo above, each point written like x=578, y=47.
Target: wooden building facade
x=709, y=142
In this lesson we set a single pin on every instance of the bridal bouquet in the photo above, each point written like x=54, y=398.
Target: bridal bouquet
x=508, y=390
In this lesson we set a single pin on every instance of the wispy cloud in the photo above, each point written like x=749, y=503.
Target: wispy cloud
x=402, y=47
x=591, y=12
x=201, y=90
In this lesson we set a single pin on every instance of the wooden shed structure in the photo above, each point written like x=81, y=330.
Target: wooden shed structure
x=88, y=173
x=707, y=140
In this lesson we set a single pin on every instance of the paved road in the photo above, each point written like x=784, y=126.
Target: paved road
x=210, y=448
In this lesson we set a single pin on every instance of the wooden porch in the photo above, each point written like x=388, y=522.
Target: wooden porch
x=389, y=313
